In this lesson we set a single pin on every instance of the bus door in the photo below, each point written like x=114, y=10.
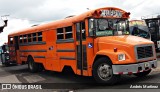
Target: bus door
x=81, y=51
x=16, y=40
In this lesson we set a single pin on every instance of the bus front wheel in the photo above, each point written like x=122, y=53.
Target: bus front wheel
x=32, y=66
x=102, y=71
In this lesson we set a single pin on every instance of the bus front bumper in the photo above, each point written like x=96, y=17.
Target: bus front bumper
x=134, y=68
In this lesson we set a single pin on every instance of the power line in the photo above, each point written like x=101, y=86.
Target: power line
x=138, y=4
x=25, y=19
x=5, y=17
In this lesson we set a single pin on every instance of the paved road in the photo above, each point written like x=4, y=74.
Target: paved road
x=20, y=74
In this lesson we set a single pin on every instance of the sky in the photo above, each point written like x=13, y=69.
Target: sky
x=25, y=13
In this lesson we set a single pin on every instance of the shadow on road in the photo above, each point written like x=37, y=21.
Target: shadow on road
x=70, y=79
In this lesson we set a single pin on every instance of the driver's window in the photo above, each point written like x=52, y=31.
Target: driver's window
x=91, y=27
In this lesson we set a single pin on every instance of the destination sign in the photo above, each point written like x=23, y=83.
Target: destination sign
x=111, y=13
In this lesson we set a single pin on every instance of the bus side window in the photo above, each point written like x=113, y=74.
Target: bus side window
x=68, y=32
x=25, y=38
x=21, y=39
x=34, y=37
x=29, y=37
x=60, y=34
x=39, y=36
x=11, y=40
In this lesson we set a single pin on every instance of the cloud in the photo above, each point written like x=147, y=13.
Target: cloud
x=24, y=13
x=47, y=10
x=13, y=24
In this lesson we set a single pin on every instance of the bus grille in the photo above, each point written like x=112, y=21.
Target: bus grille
x=144, y=52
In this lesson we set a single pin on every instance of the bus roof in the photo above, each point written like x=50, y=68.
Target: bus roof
x=67, y=21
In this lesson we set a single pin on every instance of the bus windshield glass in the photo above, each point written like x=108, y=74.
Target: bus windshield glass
x=109, y=27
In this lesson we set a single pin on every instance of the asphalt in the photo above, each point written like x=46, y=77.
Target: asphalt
x=68, y=81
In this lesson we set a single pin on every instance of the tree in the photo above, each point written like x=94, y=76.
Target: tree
x=5, y=24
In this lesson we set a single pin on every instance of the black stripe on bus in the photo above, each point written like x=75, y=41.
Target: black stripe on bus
x=68, y=58
x=33, y=50
x=65, y=41
x=66, y=50
x=39, y=57
x=32, y=43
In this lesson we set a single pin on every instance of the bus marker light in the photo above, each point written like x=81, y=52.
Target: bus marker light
x=115, y=49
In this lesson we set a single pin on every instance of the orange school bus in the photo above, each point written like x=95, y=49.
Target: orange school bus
x=95, y=43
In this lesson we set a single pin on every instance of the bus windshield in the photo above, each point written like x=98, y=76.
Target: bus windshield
x=109, y=27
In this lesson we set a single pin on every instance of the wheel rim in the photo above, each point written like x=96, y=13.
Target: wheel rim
x=104, y=72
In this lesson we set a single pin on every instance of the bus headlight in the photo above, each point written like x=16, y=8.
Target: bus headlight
x=121, y=57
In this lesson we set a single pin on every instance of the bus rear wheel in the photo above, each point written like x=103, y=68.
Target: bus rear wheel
x=102, y=71
x=32, y=66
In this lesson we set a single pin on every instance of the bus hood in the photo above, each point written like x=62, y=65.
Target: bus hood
x=124, y=40
x=122, y=44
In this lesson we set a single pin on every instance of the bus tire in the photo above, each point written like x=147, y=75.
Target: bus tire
x=142, y=74
x=32, y=66
x=40, y=67
x=103, y=73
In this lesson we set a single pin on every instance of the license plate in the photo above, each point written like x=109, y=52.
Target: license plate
x=146, y=64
